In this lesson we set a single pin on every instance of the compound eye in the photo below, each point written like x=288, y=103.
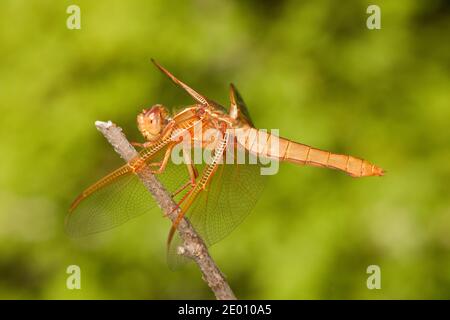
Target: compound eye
x=149, y=112
x=153, y=114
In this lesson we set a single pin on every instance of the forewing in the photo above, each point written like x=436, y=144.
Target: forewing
x=194, y=94
x=120, y=200
x=110, y=206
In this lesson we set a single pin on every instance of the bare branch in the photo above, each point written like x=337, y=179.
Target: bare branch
x=193, y=246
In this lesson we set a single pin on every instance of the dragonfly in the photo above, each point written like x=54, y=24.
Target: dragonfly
x=215, y=195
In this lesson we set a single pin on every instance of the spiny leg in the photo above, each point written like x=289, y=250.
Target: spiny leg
x=192, y=170
x=144, y=145
x=178, y=205
x=184, y=186
x=193, y=174
x=205, y=179
x=191, y=182
x=194, y=192
x=162, y=164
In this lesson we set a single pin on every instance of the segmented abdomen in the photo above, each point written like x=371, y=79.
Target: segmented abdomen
x=268, y=145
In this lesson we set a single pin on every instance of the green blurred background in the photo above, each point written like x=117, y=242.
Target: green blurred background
x=311, y=69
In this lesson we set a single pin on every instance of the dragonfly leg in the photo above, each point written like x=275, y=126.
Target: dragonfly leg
x=178, y=205
x=155, y=164
x=162, y=164
x=193, y=174
x=167, y=131
x=182, y=212
x=194, y=192
x=180, y=216
x=191, y=196
x=184, y=186
x=192, y=170
x=142, y=145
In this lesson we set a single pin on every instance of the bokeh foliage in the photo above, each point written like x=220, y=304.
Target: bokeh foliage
x=310, y=68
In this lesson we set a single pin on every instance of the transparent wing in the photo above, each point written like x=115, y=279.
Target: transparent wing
x=229, y=197
x=110, y=206
x=194, y=94
x=120, y=200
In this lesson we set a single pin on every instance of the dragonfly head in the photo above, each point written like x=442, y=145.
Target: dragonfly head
x=152, y=121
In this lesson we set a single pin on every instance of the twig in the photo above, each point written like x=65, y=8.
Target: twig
x=193, y=246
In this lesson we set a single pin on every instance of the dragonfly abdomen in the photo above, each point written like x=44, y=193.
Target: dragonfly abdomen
x=271, y=146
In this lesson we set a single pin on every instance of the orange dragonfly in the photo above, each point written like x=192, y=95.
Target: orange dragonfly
x=215, y=195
